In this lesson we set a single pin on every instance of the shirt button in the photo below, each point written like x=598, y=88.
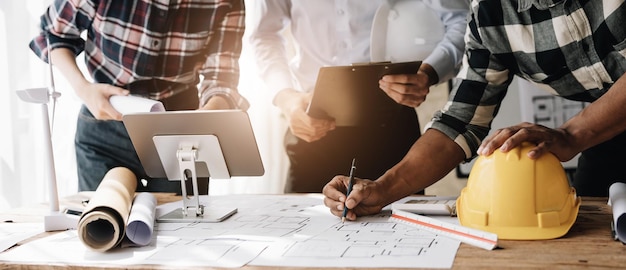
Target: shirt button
x=155, y=43
x=340, y=12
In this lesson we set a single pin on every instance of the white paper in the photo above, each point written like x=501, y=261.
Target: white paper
x=65, y=247
x=141, y=219
x=134, y=104
x=617, y=200
x=13, y=233
x=267, y=230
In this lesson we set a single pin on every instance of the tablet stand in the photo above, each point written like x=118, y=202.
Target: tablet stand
x=190, y=151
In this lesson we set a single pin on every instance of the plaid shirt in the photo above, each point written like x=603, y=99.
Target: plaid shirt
x=572, y=48
x=131, y=40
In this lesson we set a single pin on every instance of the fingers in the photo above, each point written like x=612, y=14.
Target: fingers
x=335, y=194
x=107, y=112
x=309, y=129
x=360, y=201
x=406, y=89
x=509, y=138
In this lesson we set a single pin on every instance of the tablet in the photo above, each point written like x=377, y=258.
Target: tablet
x=350, y=94
x=231, y=129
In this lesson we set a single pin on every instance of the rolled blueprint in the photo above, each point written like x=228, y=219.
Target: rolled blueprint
x=134, y=104
x=141, y=219
x=102, y=225
x=617, y=200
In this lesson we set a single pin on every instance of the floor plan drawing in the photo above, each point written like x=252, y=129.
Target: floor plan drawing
x=267, y=230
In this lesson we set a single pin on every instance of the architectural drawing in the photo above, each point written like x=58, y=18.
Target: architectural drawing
x=267, y=230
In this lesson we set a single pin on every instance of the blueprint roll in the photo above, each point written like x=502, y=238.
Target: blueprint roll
x=617, y=201
x=141, y=219
x=102, y=225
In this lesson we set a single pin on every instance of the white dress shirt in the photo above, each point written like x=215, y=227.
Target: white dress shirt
x=336, y=32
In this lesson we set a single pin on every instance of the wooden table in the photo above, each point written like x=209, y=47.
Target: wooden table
x=587, y=245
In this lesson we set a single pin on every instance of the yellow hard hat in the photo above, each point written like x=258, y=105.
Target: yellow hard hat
x=518, y=198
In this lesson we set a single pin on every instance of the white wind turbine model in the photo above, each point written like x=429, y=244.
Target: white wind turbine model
x=56, y=220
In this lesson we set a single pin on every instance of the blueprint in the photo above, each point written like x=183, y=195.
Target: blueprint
x=267, y=230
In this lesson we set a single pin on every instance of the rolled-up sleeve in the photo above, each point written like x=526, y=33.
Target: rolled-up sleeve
x=61, y=26
x=476, y=96
x=221, y=68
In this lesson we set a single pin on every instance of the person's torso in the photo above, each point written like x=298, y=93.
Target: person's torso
x=330, y=33
x=577, y=54
x=134, y=40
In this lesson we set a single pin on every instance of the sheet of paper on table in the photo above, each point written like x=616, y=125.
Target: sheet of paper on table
x=13, y=233
x=267, y=230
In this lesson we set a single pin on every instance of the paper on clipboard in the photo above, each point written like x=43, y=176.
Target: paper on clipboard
x=351, y=96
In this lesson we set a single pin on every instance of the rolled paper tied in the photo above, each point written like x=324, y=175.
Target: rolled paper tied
x=102, y=225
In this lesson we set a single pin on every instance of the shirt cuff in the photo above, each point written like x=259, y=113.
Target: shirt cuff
x=469, y=145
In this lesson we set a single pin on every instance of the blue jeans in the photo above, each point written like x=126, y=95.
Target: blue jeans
x=104, y=144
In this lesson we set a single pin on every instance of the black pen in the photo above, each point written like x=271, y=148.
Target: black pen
x=350, y=183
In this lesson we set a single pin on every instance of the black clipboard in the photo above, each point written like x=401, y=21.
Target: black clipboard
x=351, y=96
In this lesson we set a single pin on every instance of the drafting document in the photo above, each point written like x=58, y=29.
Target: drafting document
x=65, y=247
x=301, y=232
x=13, y=233
x=271, y=230
x=141, y=220
x=617, y=201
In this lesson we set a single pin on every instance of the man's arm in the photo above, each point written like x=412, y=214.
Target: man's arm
x=269, y=45
x=446, y=57
x=432, y=157
x=59, y=40
x=596, y=123
x=270, y=19
x=218, y=90
x=440, y=65
x=94, y=95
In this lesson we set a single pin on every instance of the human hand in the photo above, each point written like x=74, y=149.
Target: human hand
x=303, y=126
x=409, y=89
x=96, y=98
x=364, y=199
x=406, y=89
x=556, y=141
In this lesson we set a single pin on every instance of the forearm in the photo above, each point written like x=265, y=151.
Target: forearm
x=600, y=121
x=65, y=61
x=431, y=158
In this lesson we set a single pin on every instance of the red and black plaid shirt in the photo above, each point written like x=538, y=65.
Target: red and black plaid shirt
x=130, y=40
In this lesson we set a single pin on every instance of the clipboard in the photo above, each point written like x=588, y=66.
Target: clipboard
x=350, y=94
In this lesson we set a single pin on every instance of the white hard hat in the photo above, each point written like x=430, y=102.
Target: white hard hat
x=404, y=30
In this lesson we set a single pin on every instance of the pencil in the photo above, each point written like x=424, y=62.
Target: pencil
x=350, y=184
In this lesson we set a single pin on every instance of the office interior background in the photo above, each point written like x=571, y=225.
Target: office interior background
x=22, y=177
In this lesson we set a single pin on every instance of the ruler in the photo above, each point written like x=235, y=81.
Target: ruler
x=464, y=234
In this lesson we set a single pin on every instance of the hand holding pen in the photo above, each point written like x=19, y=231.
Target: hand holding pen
x=351, y=183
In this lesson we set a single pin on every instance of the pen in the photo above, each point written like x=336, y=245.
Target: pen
x=350, y=183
